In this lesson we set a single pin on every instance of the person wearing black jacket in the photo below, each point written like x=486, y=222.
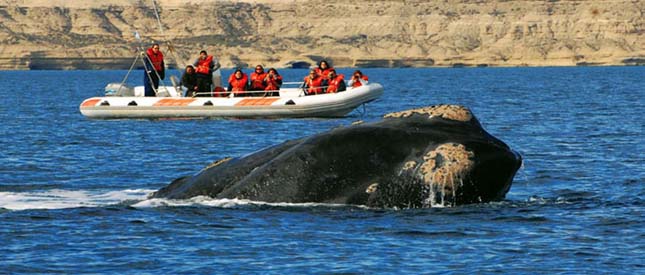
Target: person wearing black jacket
x=189, y=80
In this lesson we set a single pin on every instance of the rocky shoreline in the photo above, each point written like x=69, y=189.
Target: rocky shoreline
x=57, y=34
x=119, y=63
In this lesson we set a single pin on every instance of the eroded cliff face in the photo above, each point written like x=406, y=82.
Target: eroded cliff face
x=100, y=34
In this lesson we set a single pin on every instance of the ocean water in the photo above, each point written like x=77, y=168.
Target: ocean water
x=73, y=191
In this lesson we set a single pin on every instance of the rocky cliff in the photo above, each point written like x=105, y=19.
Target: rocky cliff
x=58, y=34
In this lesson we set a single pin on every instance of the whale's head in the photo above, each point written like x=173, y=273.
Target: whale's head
x=452, y=163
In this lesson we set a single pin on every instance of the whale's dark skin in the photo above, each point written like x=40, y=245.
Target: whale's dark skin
x=407, y=160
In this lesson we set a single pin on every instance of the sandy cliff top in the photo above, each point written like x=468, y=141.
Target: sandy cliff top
x=100, y=4
x=349, y=32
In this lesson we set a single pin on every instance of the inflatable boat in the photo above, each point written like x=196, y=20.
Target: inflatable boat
x=122, y=102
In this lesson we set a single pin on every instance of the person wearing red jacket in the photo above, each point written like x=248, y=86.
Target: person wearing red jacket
x=257, y=79
x=358, y=79
x=323, y=68
x=154, y=70
x=313, y=83
x=335, y=82
x=205, y=65
x=238, y=83
x=273, y=81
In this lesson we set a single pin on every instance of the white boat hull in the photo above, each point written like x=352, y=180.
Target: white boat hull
x=290, y=103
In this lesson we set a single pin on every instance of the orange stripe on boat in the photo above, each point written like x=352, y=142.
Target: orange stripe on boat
x=90, y=102
x=256, y=101
x=174, y=102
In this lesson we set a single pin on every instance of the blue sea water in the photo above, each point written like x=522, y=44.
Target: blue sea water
x=73, y=190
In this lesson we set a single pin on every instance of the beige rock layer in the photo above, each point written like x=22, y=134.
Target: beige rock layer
x=100, y=34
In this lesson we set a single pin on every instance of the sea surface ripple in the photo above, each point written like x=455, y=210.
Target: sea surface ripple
x=73, y=190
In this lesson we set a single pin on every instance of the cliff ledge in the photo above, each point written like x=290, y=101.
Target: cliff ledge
x=58, y=34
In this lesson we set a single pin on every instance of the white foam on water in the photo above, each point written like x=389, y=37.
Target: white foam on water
x=223, y=203
x=61, y=199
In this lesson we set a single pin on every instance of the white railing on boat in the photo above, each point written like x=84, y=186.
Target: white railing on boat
x=120, y=89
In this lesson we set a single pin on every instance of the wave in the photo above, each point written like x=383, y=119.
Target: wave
x=226, y=203
x=137, y=198
x=61, y=199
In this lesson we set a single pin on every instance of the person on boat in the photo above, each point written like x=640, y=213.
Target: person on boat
x=238, y=83
x=335, y=82
x=257, y=79
x=154, y=70
x=323, y=68
x=358, y=79
x=313, y=83
x=189, y=80
x=205, y=65
x=273, y=82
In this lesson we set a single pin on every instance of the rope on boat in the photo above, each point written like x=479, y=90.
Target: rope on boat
x=154, y=70
x=154, y=5
x=171, y=47
x=136, y=58
x=179, y=63
x=141, y=50
x=145, y=58
x=127, y=74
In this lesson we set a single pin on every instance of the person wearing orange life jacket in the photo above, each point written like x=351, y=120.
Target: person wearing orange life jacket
x=257, y=79
x=323, y=68
x=335, y=82
x=313, y=83
x=238, y=82
x=273, y=81
x=205, y=65
x=358, y=79
x=154, y=70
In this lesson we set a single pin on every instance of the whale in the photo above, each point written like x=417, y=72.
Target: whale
x=426, y=157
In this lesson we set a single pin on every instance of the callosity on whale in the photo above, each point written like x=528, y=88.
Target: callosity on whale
x=437, y=155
